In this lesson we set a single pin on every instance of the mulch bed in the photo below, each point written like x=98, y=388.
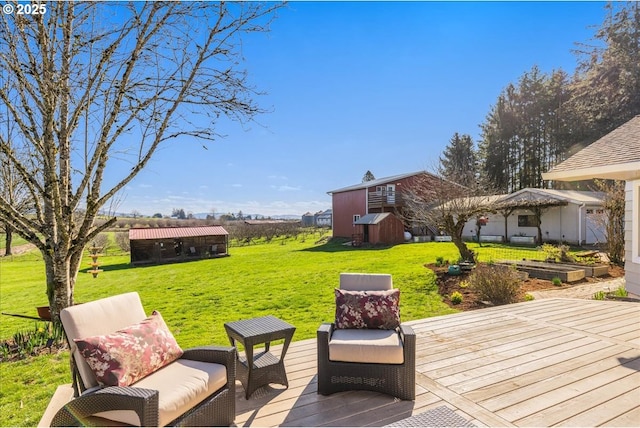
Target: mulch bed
x=448, y=284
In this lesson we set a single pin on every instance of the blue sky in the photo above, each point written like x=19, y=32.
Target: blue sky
x=357, y=86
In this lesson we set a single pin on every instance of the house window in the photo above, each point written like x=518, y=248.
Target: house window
x=356, y=217
x=527, y=221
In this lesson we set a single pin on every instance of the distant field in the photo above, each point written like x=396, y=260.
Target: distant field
x=291, y=279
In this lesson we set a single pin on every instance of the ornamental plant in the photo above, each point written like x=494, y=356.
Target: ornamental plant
x=496, y=284
x=456, y=298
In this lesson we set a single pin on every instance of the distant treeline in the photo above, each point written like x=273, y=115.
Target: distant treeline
x=240, y=232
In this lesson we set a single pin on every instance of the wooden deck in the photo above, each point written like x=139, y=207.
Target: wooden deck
x=540, y=363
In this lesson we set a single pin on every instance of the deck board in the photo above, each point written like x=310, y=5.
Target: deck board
x=547, y=362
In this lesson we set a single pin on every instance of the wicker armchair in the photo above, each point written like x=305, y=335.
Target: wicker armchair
x=395, y=378
x=180, y=393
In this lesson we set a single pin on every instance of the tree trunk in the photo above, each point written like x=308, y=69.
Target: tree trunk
x=465, y=253
x=8, y=239
x=62, y=271
x=455, y=227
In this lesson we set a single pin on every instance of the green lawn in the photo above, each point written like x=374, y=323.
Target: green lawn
x=292, y=280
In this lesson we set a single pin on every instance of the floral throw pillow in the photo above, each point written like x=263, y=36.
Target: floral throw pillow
x=368, y=309
x=128, y=355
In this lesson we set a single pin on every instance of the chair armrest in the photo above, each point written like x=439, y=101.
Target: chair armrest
x=323, y=336
x=407, y=330
x=225, y=355
x=408, y=337
x=326, y=329
x=142, y=401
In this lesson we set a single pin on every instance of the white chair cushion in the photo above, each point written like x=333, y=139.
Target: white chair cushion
x=365, y=281
x=182, y=385
x=366, y=346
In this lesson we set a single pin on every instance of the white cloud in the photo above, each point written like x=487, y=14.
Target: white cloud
x=288, y=188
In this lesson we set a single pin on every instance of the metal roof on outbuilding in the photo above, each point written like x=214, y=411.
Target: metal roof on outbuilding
x=372, y=218
x=377, y=182
x=175, y=232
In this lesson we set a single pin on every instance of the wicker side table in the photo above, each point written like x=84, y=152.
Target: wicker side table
x=262, y=368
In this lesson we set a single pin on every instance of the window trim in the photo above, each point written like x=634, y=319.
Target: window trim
x=531, y=216
x=634, y=186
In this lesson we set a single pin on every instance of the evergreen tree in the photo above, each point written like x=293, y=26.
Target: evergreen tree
x=458, y=162
x=606, y=89
x=368, y=176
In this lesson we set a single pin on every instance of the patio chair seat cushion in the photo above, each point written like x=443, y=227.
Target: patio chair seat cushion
x=366, y=346
x=182, y=385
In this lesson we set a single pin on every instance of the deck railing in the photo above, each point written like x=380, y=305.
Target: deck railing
x=385, y=198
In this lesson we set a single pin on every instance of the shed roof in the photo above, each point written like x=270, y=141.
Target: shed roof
x=175, y=232
x=372, y=218
x=616, y=156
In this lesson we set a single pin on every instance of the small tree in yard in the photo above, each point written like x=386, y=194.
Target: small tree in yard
x=447, y=205
x=92, y=84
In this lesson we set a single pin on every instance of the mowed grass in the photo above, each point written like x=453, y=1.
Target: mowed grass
x=290, y=279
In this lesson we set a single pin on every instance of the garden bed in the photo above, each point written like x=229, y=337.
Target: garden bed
x=448, y=284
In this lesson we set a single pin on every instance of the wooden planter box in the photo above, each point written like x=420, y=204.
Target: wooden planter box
x=548, y=271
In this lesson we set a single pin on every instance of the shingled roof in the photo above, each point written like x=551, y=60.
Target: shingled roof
x=616, y=155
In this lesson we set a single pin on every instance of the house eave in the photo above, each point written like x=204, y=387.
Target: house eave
x=627, y=171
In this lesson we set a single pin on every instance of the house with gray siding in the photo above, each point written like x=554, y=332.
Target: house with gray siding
x=614, y=156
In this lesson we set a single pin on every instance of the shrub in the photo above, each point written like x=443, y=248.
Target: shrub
x=556, y=281
x=621, y=292
x=439, y=261
x=558, y=254
x=456, y=298
x=497, y=284
x=464, y=284
x=528, y=297
x=599, y=295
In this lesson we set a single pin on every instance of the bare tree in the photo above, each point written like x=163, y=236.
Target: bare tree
x=447, y=205
x=96, y=85
x=614, y=207
x=12, y=187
